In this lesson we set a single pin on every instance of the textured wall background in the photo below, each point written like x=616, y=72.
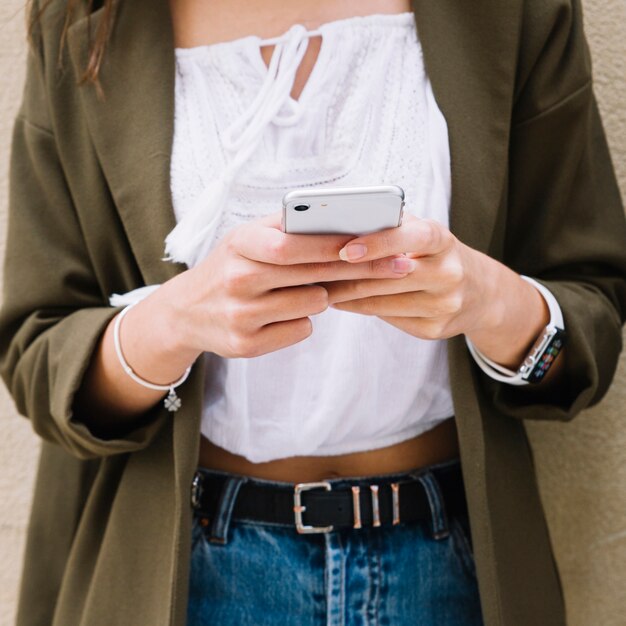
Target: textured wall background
x=582, y=465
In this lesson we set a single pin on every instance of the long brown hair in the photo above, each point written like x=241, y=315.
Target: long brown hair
x=97, y=40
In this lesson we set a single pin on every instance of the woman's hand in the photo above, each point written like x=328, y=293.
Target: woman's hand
x=255, y=292
x=450, y=289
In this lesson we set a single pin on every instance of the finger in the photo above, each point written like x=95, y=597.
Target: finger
x=262, y=240
x=425, y=277
x=289, y=304
x=430, y=328
x=416, y=236
x=272, y=337
x=345, y=290
x=348, y=290
x=254, y=277
x=414, y=304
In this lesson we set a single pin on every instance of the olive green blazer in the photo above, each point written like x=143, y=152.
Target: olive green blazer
x=90, y=205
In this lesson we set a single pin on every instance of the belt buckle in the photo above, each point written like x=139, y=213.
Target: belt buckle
x=299, y=509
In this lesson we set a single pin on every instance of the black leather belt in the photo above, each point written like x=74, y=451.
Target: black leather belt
x=338, y=503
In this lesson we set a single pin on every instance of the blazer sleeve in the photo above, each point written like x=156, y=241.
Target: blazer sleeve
x=53, y=312
x=565, y=224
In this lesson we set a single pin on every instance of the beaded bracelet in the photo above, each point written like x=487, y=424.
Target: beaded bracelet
x=172, y=402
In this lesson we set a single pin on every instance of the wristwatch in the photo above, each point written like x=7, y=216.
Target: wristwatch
x=542, y=355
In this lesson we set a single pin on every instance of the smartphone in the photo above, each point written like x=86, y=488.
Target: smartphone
x=342, y=210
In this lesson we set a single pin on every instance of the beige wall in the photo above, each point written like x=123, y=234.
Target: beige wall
x=582, y=465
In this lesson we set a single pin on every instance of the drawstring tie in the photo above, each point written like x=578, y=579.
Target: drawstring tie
x=190, y=240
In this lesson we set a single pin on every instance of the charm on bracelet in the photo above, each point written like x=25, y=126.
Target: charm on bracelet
x=171, y=402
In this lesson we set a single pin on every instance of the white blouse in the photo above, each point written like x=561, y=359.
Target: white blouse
x=366, y=116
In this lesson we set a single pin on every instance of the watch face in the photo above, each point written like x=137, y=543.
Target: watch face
x=546, y=358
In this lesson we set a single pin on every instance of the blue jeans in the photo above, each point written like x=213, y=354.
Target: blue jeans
x=256, y=574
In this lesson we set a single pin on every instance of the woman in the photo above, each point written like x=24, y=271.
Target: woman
x=98, y=184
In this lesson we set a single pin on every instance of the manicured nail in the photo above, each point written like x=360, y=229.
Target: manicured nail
x=403, y=265
x=352, y=252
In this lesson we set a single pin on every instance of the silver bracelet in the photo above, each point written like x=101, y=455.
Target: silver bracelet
x=542, y=355
x=172, y=402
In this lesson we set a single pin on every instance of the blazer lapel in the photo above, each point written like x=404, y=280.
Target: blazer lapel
x=472, y=70
x=132, y=125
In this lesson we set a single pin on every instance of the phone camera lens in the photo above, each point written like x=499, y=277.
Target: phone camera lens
x=302, y=207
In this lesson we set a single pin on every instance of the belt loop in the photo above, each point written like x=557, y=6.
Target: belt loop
x=225, y=506
x=439, y=519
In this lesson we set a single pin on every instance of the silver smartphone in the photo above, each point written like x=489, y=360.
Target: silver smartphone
x=343, y=210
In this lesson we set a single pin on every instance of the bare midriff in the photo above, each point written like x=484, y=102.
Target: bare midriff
x=434, y=446
x=203, y=23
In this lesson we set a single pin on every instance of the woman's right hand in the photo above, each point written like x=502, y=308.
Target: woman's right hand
x=255, y=292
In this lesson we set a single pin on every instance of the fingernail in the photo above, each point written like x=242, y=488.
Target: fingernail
x=403, y=265
x=352, y=252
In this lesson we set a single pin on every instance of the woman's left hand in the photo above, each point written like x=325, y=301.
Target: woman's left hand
x=451, y=289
